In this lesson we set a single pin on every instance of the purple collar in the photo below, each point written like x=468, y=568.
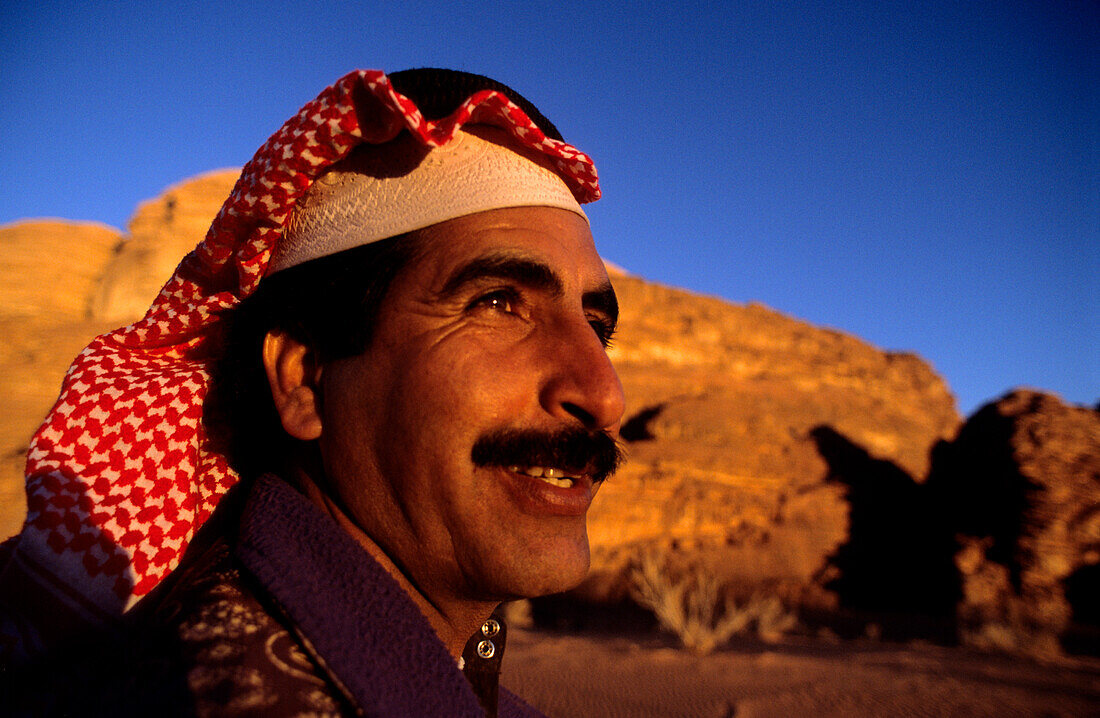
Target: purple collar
x=367, y=630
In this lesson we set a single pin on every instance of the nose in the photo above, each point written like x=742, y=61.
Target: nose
x=583, y=385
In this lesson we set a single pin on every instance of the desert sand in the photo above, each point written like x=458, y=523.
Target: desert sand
x=615, y=676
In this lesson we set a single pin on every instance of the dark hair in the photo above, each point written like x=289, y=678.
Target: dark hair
x=439, y=92
x=329, y=304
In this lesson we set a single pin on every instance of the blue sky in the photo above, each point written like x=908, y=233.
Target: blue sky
x=925, y=176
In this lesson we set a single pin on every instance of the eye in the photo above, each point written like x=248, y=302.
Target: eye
x=499, y=300
x=604, y=328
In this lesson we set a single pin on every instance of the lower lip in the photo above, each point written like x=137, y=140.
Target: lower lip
x=537, y=497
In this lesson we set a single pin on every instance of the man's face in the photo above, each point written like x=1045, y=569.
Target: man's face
x=497, y=327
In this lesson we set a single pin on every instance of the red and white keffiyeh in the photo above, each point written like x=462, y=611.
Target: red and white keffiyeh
x=120, y=475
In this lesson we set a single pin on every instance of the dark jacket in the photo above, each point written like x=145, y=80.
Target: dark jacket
x=290, y=617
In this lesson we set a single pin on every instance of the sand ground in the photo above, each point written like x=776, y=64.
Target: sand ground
x=601, y=676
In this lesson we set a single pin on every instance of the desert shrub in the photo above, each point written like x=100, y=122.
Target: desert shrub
x=517, y=614
x=693, y=606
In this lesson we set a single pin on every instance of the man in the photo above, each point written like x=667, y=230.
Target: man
x=405, y=320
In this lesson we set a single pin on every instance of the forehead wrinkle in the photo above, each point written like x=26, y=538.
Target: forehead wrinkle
x=504, y=265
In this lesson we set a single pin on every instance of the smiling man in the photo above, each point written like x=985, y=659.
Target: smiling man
x=451, y=438
x=403, y=322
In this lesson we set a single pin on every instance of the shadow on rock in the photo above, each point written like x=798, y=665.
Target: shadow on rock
x=1022, y=479
x=897, y=567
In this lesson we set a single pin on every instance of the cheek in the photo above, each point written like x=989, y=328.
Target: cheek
x=467, y=387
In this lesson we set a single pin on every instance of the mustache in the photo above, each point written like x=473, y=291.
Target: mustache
x=589, y=452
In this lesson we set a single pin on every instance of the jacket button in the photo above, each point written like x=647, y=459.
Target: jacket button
x=490, y=628
x=486, y=649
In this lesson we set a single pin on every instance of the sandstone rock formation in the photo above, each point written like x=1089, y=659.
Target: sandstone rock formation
x=50, y=267
x=162, y=231
x=1022, y=481
x=725, y=466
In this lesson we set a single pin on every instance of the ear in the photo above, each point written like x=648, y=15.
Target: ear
x=294, y=376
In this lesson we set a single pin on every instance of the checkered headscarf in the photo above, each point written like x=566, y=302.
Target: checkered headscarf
x=121, y=474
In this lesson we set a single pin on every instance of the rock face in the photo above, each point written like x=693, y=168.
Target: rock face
x=162, y=231
x=726, y=407
x=1023, y=482
x=50, y=268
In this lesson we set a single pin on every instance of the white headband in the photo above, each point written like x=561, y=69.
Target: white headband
x=389, y=189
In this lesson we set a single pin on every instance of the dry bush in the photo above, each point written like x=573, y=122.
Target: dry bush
x=517, y=614
x=693, y=607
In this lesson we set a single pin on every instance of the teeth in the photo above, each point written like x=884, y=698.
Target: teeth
x=563, y=483
x=550, y=475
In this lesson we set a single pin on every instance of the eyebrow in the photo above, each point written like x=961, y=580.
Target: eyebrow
x=603, y=300
x=502, y=266
x=531, y=273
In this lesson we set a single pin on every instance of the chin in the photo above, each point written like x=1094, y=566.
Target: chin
x=556, y=570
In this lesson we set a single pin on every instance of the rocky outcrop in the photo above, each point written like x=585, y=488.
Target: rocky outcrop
x=726, y=403
x=1022, y=481
x=161, y=232
x=50, y=267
